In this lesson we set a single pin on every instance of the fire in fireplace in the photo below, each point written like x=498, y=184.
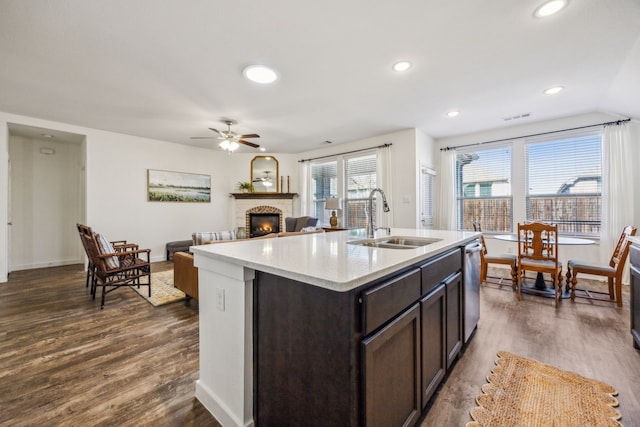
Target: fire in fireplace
x=261, y=224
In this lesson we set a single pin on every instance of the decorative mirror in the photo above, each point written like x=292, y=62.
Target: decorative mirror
x=264, y=174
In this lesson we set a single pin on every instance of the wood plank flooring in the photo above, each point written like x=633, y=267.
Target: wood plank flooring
x=590, y=338
x=63, y=361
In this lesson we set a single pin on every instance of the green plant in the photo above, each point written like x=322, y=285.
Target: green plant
x=246, y=186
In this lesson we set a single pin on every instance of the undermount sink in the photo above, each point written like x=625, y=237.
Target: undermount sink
x=395, y=242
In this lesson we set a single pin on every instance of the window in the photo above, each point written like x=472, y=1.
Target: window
x=350, y=178
x=360, y=178
x=564, y=183
x=483, y=183
x=324, y=184
x=555, y=178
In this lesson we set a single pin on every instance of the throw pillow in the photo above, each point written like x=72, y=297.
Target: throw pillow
x=105, y=247
x=201, y=238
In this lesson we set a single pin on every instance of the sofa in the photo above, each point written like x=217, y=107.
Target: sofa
x=292, y=223
x=185, y=274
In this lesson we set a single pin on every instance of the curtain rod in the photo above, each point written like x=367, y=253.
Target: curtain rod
x=617, y=122
x=346, y=152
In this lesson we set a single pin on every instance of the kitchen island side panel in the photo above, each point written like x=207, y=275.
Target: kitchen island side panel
x=306, y=354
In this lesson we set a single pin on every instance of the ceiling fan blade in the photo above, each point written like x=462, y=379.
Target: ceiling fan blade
x=250, y=135
x=250, y=144
x=217, y=131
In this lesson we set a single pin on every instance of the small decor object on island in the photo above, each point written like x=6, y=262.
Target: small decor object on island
x=245, y=187
x=165, y=186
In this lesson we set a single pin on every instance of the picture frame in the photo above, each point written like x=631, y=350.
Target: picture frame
x=183, y=187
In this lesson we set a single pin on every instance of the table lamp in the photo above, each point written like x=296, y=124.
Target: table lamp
x=332, y=203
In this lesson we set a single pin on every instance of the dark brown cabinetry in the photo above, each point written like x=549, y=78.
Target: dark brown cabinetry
x=434, y=361
x=454, y=289
x=391, y=372
x=634, y=257
x=370, y=356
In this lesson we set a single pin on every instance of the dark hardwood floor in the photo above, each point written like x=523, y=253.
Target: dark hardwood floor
x=590, y=338
x=63, y=361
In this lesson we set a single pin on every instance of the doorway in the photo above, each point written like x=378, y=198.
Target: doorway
x=47, y=197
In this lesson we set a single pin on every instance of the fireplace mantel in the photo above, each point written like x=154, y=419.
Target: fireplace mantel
x=261, y=196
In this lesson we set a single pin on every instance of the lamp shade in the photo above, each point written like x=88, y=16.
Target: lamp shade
x=332, y=203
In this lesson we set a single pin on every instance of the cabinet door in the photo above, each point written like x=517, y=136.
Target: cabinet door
x=391, y=372
x=434, y=359
x=454, y=290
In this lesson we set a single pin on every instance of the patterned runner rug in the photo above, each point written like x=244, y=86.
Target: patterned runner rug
x=162, y=289
x=524, y=392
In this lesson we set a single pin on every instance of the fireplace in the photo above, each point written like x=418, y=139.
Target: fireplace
x=263, y=220
x=263, y=223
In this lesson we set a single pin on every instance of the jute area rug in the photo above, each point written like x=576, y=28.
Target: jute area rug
x=162, y=289
x=526, y=393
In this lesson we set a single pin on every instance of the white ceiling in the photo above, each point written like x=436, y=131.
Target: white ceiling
x=170, y=69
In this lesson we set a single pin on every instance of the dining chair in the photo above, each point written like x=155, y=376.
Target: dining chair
x=613, y=271
x=538, y=252
x=510, y=260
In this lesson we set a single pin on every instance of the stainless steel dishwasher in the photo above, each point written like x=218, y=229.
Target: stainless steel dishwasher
x=471, y=287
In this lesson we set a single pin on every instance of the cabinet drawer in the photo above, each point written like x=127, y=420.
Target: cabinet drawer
x=438, y=269
x=384, y=301
x=634, y=255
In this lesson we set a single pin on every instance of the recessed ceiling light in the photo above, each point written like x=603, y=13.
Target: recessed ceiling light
x=453, y=113
x=553, y=90
x=46, y=135
x=263, y=149
x=260, y=74
x=401, y=66
x=549, y=8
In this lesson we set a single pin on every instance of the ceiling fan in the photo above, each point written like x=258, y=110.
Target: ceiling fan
x=230, y=140
x=265, y=180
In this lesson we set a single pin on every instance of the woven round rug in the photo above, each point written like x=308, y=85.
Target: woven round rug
x=526, y=393
x=162, y=289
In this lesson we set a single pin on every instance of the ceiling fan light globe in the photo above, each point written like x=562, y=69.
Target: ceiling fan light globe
x=233, y=146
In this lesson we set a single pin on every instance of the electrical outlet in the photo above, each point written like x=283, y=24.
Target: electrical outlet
x=220, y=298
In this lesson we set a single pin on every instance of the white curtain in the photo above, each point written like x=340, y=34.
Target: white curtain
x=385, y=182
x=445, y=207
x=304, y=188
x=617, y=187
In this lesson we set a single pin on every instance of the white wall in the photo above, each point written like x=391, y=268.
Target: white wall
x=405, y=157
x=46, y=203
x=587, y=253
x=116, y=181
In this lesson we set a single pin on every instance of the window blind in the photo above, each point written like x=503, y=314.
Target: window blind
x=360, y=178
x=564, y=182
x=324, y=184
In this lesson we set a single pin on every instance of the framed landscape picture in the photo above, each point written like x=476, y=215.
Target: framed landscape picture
x=165, y=186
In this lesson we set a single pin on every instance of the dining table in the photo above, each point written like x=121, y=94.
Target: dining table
x=540, y=287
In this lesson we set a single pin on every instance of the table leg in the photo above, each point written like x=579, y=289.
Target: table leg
x=540, y=288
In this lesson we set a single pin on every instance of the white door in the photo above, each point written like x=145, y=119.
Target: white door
x=9, y=221
x=427, y=177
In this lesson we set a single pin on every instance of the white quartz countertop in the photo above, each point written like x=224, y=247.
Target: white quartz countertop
x=326, y=260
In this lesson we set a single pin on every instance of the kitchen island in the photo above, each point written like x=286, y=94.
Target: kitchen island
x=315, y=330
